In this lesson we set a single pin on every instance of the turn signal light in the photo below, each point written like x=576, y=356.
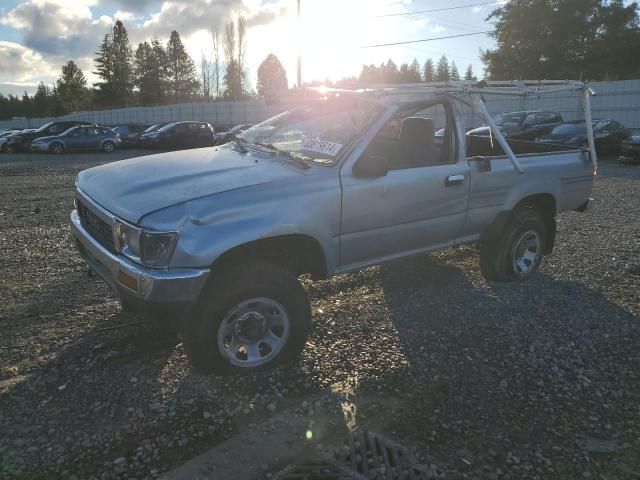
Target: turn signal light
x=128, y=281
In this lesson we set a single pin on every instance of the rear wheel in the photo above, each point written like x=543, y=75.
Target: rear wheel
x=56, y=147
x=250, y=316
x=108, y=146
x=518, y=251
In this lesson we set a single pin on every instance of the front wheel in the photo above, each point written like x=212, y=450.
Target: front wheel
x=56, y=147
x=518, y=251
x=250, y=316
x=108, y=146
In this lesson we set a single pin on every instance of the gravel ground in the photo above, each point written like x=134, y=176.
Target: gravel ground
x=527, y=380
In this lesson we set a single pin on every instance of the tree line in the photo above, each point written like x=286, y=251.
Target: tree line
x=535, y=39
x=389, y=72
x=153, y=74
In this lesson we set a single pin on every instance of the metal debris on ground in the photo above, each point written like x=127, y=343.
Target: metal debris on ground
x=363, y=455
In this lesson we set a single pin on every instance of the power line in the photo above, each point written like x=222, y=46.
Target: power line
x=426, y=39
x=436, y=9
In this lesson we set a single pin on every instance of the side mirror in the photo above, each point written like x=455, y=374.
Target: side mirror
x=371, y=166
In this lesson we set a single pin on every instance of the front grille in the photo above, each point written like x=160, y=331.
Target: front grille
x=97, y=228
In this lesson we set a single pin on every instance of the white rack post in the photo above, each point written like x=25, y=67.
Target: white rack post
x=482, y=108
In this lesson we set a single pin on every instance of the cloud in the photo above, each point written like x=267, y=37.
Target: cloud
x=54, y=28
x=123, y=15
x=190, y=16
x=20, y=64
x=55, y=31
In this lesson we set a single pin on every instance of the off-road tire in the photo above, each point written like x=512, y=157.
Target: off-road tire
x=496, y=254
x=231, y=286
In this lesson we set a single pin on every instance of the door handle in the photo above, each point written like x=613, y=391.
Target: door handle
x=453, y=180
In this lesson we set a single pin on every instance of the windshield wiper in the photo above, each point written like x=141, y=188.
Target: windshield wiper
x=240, y=142
x=283, y=153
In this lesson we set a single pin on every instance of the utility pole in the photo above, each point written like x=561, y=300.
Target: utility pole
x=299, y=51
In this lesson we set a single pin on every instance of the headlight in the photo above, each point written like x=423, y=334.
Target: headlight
x=128, y=240
x=153, y=249
x=157, y=248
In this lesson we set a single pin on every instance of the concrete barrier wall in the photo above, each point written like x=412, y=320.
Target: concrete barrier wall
x=618, y=100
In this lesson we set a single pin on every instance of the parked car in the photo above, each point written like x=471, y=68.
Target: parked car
x=526, y=125
x=128, y=132
x=631, y=150
x=608, y=135
x=215, y=239
x=180, y=135
x=138, y=139
x=84, y=137
x=221, y=138
x=22, y=141
x=4, y=137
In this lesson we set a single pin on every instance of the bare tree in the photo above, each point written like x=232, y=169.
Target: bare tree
x=230, y=42
x=216, y=71
x=242, y=48
x=205, y=73
x=235, y=46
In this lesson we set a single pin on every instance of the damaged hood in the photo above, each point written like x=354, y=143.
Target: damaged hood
x=133, y=188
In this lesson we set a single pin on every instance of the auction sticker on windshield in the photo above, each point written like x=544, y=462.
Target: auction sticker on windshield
x=321, y=146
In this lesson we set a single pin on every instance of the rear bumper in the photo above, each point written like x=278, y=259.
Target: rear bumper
x=144, y=288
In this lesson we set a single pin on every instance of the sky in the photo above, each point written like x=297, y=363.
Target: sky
x=38, y=36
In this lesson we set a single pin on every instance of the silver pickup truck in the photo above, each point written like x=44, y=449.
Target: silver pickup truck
x=217, y=237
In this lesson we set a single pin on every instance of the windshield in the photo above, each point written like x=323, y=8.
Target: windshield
x=570, y=129
x=152, y=128
x=68, y=131
x=168, y=126
x=44, y=127
x=318, y=131
x=510, y=119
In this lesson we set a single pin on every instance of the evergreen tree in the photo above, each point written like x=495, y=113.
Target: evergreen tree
x=113, y=66
x=272, y=76
x=71, y=87
x=104, y=70
x=182, y=82
x=414, y=72
x=442, y=70
x=559, y=39
x=469, y=74
x=150, y=72
x=428, y=72
x=454, y=75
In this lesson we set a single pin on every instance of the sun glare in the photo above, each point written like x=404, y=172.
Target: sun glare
x=329, y=36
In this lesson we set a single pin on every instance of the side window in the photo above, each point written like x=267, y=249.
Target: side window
x=530, y=121
x=409, y=139
x=545, y=118
x=182, y=128
x=57, y=128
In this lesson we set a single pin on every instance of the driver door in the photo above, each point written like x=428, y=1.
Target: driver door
x=416, y=206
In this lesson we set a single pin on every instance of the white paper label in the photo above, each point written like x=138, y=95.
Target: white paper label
x=322, y=146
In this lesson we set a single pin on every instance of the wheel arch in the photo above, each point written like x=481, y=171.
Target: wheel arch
x=298, y=253
x=545, y=203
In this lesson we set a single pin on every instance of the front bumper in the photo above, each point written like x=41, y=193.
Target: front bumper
x=39, y=147
x=168, y=287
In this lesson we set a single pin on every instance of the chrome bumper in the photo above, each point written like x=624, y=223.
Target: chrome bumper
x=151, y=286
